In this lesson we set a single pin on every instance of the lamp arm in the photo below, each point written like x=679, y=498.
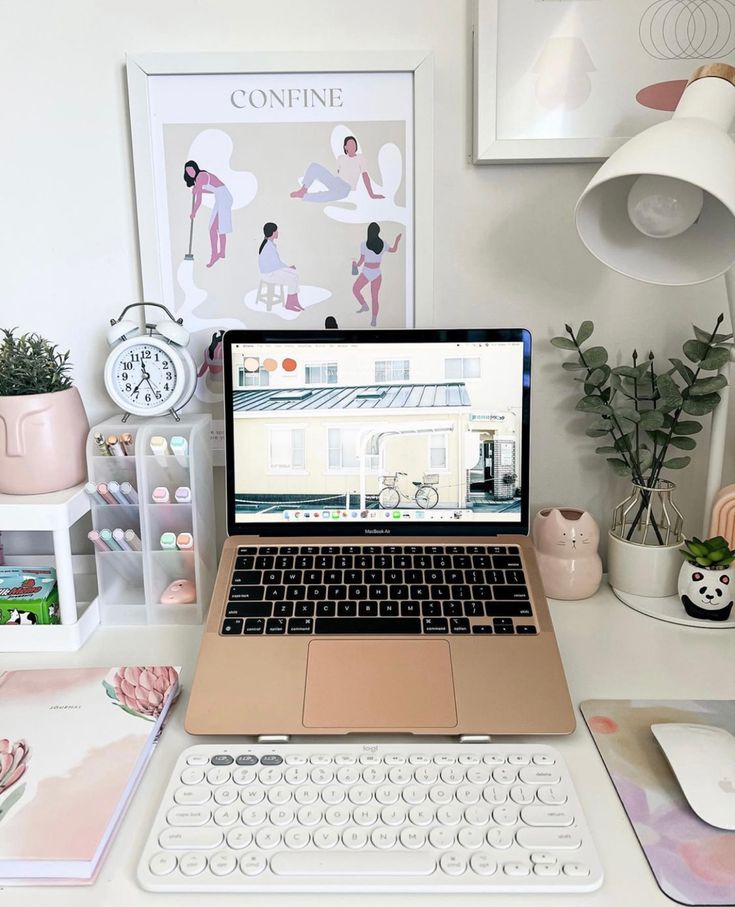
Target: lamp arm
x=718, y=435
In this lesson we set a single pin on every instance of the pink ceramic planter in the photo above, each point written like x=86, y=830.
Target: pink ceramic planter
x=42, y=442
x=566, y=543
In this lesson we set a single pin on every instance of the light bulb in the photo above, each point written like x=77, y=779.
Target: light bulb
x=662, y=207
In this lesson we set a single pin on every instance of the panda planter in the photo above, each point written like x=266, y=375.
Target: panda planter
x=707, y=593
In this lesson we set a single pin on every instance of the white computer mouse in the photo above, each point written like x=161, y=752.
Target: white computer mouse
x=703, y=760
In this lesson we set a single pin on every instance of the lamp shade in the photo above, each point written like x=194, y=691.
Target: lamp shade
x=694, y=147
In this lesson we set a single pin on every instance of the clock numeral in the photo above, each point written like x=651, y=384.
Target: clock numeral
x=169, y=376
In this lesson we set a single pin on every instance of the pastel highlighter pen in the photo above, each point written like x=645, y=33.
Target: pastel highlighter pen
x=106, y=536
x=185, y=541
x=119, y=537
x=180, y=449
x=130, y=493
x=91, y=490
x=168, y=541
x=159, y=448
x=104, y=493
x=95, y=539
x=132, y=539
x=160, y=495
x=183, y=495
x=114, y=488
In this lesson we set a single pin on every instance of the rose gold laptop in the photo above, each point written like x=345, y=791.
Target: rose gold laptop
x=377, y=575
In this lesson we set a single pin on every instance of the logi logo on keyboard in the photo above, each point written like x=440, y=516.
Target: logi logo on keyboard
x=370, y=747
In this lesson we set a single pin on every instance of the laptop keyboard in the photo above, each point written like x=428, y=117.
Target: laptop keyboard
x=279, y=590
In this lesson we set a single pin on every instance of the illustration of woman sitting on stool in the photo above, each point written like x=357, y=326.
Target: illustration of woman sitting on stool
x=220, y=220
x=273, y=270
x=350, y=167
x=371, y=256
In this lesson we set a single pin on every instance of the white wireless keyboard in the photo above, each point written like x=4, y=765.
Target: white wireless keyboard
x=364, y=818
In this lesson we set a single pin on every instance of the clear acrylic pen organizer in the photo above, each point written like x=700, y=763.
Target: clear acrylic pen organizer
x=133, y=584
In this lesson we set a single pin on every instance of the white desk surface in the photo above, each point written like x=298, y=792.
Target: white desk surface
x=609, y=652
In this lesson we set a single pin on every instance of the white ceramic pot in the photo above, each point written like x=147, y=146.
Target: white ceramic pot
x=649, y=570
x=707, y=594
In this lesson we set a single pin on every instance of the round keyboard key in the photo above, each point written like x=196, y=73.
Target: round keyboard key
x=550, y=795
x=400, y=774
x=499, y=838
x=519, y=759
x=246, y=759
x=541, y=774
x=444, y=759
x=192, y=796
x=494, y=794
x=225, y=815
x=543, y=856
x=253, y=815
x=222, y=863
x=251, y=796
x=505, y=815
x=373, y=774
x=419, y=759
x=224, y=796
x=413, y=794
x=387, y=794
x=543, y=759
x=383, y=838
x=547, y=815
x=345, y=759
x=578, y=870
x=394, y=759
x=222, y=759
x=393, y=815
x=365, y=815
x=453, y=863
x=281, y=816
x=296, y=759
x=493, y=759
x=192, y=864
x=271, y=759
x=471, y=838
x=504, y=774
x=279, y=795
x=267, y=838
x=161, y=864
x=296, y=775
x=360, y=794
x=441, y=794
x=369, y=759
x=309, y=815
x=325, y=838
x=252, y=864
x=483, y=864
x=197, y=759
x=243, y=776
x=348, y=775
x=337, y=815
x=421, y=815
x=467, y=794
x=188, y=815
x=218, y=775
x=469, y=759
x=270, y=775
x=477, y=815
x=413, y=838
x=522, y=794
x=320, y=759
x=449, y=814
x=192, y=776
x=451, y=774
x=441, y=838
x=321, y=775
x=426, y=774
x=354, y=838
x=239, y=838
x=306, y=795
x=546, y=869
x=478, y=774
x=333, y=794
x=516, y=869
x=296, y=838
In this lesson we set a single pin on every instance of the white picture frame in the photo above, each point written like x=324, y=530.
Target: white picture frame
x=142, y=67
x=622, y=48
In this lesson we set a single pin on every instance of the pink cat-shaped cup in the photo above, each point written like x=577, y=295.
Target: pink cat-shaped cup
x=566, y=543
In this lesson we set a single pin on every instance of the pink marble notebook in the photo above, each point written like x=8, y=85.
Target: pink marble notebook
x=73, y=744
x=693, y=862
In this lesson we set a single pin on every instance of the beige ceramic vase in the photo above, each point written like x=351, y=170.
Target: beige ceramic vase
x=42, y=442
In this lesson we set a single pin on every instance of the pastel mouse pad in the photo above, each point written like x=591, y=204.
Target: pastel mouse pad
x=179, y=592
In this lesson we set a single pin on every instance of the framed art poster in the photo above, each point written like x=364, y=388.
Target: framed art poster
x=283, y=190
x=573, y=80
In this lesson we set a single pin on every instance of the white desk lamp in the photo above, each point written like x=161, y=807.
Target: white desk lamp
x=661, y=209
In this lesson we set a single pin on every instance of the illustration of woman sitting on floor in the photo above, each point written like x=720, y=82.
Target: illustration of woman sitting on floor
x=273, y=270
x=220, y=220
x=350, y=167
x=371, y=256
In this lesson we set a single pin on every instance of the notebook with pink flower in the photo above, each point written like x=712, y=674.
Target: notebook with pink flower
x=73, y=745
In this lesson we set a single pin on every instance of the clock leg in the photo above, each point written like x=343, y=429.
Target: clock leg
x=175, y=415
x=125, y=417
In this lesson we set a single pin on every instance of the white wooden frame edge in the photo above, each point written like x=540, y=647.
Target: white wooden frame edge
x=420, y=63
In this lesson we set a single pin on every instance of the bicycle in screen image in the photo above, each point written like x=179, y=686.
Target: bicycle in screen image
x=391, y=494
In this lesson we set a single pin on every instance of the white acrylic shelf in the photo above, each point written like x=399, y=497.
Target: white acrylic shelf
x=78, y=607
x=131, y=583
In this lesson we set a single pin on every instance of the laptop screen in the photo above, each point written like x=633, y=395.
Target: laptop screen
x=383, y=432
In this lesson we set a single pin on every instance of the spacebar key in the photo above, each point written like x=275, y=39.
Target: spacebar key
x=352, y=864
x=368, y=625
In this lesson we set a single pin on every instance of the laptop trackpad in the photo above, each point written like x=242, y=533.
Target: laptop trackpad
x=379, y=683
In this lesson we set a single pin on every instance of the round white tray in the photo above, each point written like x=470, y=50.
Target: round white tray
x=671, y=609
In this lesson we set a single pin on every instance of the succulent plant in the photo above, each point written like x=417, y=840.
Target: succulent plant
x=13, y=762
x=29, y=364
x=712, y=554
x=141, y=691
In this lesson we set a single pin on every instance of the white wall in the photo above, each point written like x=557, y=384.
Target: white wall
x=506, y=253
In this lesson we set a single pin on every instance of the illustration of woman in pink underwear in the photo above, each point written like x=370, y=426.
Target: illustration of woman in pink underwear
x=220, y=220
x=371, y=257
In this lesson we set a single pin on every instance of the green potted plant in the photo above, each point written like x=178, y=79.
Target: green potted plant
x=646, y=417
x=43, y=426
x=707, y=578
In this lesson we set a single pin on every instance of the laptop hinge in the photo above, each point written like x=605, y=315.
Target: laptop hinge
x=475, y=738
x=274, y=738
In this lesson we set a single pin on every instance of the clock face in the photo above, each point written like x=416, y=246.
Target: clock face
x=145, y=376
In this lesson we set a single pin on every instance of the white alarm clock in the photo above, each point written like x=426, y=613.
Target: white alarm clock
x=150, y=373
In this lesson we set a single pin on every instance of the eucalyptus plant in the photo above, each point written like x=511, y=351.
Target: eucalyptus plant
x=641, y=409
x=30, y=364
